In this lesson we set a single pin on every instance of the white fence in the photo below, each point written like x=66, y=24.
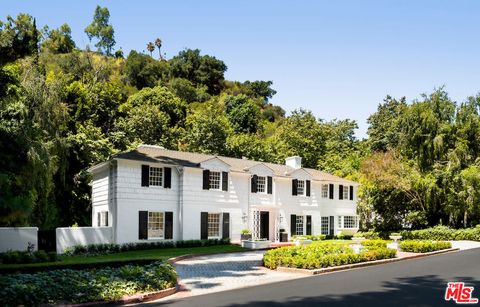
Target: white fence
x=18, y=238
x=71, y=236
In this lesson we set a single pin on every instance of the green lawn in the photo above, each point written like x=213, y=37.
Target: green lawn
x=152, y=254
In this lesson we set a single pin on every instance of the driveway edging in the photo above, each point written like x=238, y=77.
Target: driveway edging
x=362, y=264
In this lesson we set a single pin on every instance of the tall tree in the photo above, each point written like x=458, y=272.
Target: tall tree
x=59, y=40
x=150, y=48
x=158, y=43
x=18, y=38
x=101, y=30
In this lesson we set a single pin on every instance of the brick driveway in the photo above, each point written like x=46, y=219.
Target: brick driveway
x=212, y=273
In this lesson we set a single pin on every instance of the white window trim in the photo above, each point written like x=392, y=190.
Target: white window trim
x=220, y=182
x=346, y=192
x=304, y=192
x=163, y=178
x=303, y=218
x=156, y=238
x=327, y=218
x=103, y=218
x=328, y=188
x=265, y=187
x=341, y=220
x=220, y=225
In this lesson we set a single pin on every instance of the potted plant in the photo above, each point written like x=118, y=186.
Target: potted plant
x=395, y=236
x=245, y=234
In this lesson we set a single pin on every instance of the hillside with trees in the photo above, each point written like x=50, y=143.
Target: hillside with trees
x=64, y=109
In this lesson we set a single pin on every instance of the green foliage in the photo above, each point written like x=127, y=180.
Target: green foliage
x=14, y=257
x=18, y=38
x=143, y=71
x=443, y=233
x=415, y=246
x=103, y=249
x=59, y=40
x=242, y=113
x=79, y=286
x=315, y=256
x=310, y=237
x=375, y=243
x=101, y=30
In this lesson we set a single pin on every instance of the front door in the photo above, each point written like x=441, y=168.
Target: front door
x=264, y=226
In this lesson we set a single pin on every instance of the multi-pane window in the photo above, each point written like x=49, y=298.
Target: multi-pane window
x=261, y=184
x=325, y=229
x=350, y=222
x=345, y=192
x=215, y=180
x=324, y=190
x=340, y=222
x=155, y=225
x=301, y=187
x=299, y=225
x=214, y=225
x=156, y=176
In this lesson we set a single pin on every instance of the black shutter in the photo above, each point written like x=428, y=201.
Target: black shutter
x=293, y=225
x=168, y=177
x=308, y=187
x=142, y=225
x=254, y=182
x=330, y=192
x=351, y=192
x=224, y=181
x=294, y=186
x=204, y=225
x=269, y=185
x=206, y=179
x=98, y=218
x=332, y=225
x=168, y=225
x=226, y=225
x=309, y=225
x=145, y=175
x=106, y=218
x=340, y=191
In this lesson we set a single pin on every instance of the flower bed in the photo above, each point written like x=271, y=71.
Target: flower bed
x=79, y=286
x=317, y=256
x=375, y=243
x=416, y=246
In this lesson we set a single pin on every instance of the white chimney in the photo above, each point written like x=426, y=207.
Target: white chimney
x=294, y=162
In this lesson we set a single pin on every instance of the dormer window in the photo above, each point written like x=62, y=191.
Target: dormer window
x=155, y=176
x=261, y=183
x=301, y=187
x=215, y=180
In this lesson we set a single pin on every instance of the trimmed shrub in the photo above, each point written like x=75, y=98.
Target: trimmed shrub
x=17, y=257
x=103, y=249
x=316, y=256
x=416, y=246
x=443, y=233
x=375, y=243
x=79, y=286
x=310, y=237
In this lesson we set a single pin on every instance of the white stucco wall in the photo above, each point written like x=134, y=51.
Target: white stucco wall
x=71, y=236
x=17, y=238
x=100, y=194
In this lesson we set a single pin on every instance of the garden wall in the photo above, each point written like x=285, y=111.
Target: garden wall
x=17, y=238
x=71, y=236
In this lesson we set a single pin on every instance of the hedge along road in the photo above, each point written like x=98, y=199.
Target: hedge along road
x=418, y=282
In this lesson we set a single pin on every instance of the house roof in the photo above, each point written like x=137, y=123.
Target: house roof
x=150, y=153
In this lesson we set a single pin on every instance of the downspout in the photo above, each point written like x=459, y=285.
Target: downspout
x=180, y=171
x=113, y=198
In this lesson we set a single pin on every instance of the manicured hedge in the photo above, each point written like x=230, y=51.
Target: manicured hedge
x=416, y=246
x=443, y=233
x=102, y=249
x=15, y=257
x=316, y=256
x=373, y=235
x=375, y=243
x=322, y=237
x=79, y=286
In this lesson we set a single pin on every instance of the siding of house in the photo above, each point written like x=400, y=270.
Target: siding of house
x=100, y=194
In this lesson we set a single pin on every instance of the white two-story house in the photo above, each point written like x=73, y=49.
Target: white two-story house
x=156, y=194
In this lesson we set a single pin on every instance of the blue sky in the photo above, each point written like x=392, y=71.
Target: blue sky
x=336, y=58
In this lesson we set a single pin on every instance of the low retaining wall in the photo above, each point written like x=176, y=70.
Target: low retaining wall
x=71, y=236
x=17, y=238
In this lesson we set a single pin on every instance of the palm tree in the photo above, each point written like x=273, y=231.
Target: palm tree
x=150, y=47
x=158, y=43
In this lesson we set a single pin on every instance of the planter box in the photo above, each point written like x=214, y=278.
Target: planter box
x=246, y=237
x=256, y=244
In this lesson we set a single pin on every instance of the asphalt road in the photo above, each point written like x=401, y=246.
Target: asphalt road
x=417, y=282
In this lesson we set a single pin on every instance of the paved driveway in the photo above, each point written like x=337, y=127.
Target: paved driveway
x=212, y=273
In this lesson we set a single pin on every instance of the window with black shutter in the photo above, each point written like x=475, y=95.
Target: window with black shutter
x=309, y=225
x=293, y=225
x=307, y=183
x=226, y=225
x=254, y=183
x=168, y=177
x=145, y=175
x=142, y=225
x=269, y=185
x=224, y=181
x=330, y=190
x=204, y=225
x=351, y=192
x=206, y=179
x=294, y=186
x=340, y=192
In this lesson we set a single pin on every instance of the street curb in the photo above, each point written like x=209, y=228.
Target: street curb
x=362, y=264
x=139, y=298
